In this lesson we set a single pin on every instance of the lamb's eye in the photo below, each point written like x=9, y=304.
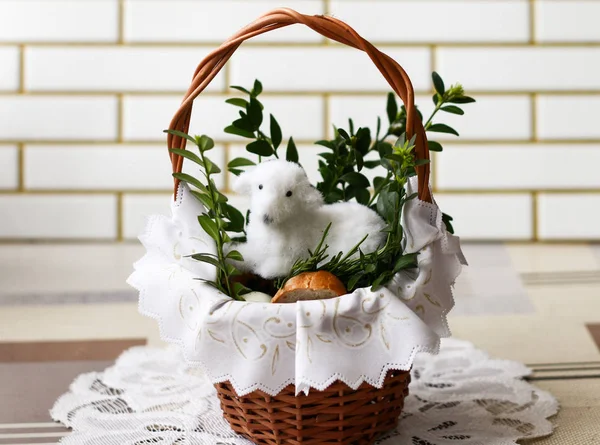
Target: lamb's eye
x=289, y=193
x=260, y=186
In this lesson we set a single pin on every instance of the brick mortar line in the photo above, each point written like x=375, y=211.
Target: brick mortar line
x=439, y=191
x=532, y=17
x=119, y=214
x=308, y=44
x=121, y=22
x=290, y=93
x=591, y=144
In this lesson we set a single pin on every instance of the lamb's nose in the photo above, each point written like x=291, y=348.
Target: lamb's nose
x=267, y=219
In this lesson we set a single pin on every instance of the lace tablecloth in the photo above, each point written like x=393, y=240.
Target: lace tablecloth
x=150, y=396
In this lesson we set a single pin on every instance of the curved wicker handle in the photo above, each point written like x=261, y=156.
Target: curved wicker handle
x=329, y=27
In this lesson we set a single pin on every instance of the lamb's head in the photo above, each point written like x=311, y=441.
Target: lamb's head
x=279, y=190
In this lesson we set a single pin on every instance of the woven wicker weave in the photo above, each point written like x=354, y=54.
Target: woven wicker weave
x=337, y=415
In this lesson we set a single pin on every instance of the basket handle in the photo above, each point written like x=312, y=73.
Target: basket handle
x=331, y=28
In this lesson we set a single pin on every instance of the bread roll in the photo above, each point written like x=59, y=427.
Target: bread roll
x=319, y=285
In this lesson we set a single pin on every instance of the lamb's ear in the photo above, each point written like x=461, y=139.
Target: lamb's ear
x=312, y=197
x=243, y=183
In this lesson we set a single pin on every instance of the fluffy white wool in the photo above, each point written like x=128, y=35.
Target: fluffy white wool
x=288, y=217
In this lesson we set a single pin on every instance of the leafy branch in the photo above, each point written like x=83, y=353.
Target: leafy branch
x=378, y=267
x=249, y=125
x=221, y=217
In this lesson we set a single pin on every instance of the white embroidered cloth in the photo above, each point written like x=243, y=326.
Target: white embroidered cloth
x=459, y=397
x=354, y=338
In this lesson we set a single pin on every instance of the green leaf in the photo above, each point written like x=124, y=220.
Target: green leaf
x=442, y=128
x=391, y=107
x=221, y=197
x=236, y=219
x=462, y=100
x=378, y=182
x=240, y=162
x=438, y=83
x=327, y=144
x=394, y=157
x=447, y=222
x=329, y=157
x=343, y=133
x=242, y=89
x=453, y=109
x=204, y=198
x=239, y=132
x=292, y=152
x=236, y=171
x=363, y=140
x=255, y=113
x=352, y=282
x=435, y=98
x=235, y=255
x=244, y=123
x=378, y=281
x=205, y=258
x=238, y=102
x=356, y=179
x=351, y=126
x=240, y=289
x=260, y=147
x=257, y=89
x=211, y=167
x=421, y=162
x=362, y=196
x=205, y=143
x=383, y=148
x=386, y=205
x=209, y=226
x=334, y=196
x=186, y=154
x=405, y=262
x=372, y=164
x=434, y=146
x=181, y=134
x=275, y=132
x=190, y=180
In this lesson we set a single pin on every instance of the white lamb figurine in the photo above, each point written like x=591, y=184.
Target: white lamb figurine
x=288, y=217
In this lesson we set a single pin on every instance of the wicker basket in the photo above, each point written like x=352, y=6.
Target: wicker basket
x=339, y=414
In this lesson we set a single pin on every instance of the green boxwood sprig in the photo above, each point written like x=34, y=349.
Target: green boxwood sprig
x=221, y=217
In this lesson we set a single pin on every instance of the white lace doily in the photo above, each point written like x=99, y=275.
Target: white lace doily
x=354, y=338
x=151, y=396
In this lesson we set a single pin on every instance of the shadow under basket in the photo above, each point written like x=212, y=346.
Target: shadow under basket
x=338, y=415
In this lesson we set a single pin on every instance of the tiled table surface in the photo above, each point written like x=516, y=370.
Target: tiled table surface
x=65, y=310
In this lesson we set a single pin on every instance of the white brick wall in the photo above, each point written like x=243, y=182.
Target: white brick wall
x=567, y=21
x=106, y=68
x=30, y=118
x=58, y=20
x=146, y=116
x=569, y=216
x=427, y=21
x=527, y=166
x=9, y=167
x=156, y=21
x=490, y=216
x=324, y=69
x=10, y=70
x=50, y=216
x=523, y=68
x=86, y=88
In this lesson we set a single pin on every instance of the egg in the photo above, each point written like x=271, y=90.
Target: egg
x=257, y=297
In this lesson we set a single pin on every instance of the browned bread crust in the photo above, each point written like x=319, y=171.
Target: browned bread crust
x=318, y=285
